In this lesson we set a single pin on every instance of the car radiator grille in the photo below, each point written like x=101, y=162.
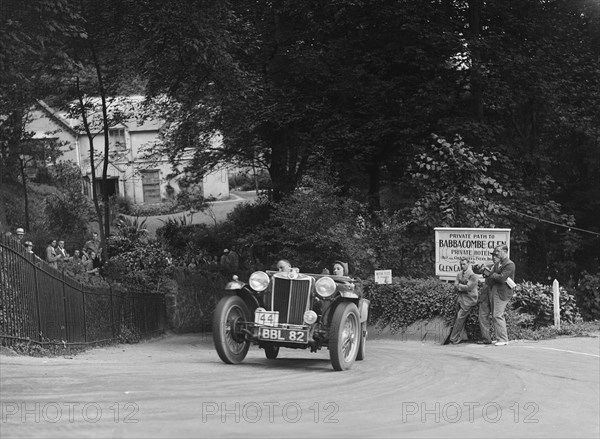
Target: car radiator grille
x=290, y=298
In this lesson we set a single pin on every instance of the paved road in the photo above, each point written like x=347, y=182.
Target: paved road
x=217, y=212
x=176, y=386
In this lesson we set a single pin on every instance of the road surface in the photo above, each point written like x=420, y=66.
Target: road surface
x=176, y=386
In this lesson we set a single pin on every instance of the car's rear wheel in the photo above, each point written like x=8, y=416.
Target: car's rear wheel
x=344, y=336
x=230, y=341
x=271, y=351
x=362, y=347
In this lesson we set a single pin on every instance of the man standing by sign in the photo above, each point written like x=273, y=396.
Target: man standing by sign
x=500, y=278
x=466, y=287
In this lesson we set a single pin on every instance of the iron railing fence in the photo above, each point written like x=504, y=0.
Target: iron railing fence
x=41, y=304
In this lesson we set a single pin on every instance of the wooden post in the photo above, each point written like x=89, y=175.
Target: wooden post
x=556, y=298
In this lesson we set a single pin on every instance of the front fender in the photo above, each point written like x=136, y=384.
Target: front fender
x=363, y=309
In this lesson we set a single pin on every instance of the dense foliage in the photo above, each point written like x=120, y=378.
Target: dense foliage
x=423, y=112
x=407, y=301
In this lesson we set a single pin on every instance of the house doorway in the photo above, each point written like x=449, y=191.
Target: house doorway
x=112, y=186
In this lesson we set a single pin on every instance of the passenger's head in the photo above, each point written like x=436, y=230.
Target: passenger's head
x=340, y=268
x=284, y=265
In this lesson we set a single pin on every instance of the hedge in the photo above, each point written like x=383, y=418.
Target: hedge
x=406, y=301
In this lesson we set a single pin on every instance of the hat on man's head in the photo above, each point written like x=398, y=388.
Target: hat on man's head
x=20, y=231
x=28, y=243
x=226, y=250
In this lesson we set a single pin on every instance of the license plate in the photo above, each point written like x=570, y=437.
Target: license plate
x=267, y=318
x=283, y=334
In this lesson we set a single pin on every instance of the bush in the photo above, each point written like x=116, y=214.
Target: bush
x=530, y=313
x=246, y=181
x=536, y=300
x=165, y=208
x=407, y=301
x=588, y=296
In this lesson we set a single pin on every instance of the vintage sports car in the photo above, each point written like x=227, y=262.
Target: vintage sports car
x=292, y=310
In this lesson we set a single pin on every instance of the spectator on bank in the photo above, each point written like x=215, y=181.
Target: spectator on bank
x=29, y=249
x=76, y=257
x=88, y=260
x=52, y=257
x=28, y=246
x=20, y=233
x=93, y=244
x=225, y=258
x=234, y=260
x=62, y=252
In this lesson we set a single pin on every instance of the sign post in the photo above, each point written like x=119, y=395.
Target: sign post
x=556, y=300
x=383, y=276
x=454, y=243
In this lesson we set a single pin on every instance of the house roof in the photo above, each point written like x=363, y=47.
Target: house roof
x=57, y=117
x=74, y=126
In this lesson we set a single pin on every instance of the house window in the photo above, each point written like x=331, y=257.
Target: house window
x=117, y=138
x=151, y=186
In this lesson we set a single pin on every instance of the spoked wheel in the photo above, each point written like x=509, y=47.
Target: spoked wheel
x=230, y=341
x=271, y=351
x=344, y=336
x=362, y=347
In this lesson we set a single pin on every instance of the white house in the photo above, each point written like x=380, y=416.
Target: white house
x=131, y=173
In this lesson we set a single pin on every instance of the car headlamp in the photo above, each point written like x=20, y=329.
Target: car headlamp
x=310, y=317
x=259, y=281
x=325, y=287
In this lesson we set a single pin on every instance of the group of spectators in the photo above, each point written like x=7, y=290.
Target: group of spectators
x=229, y=260
x=89, y=257
x=492, y=297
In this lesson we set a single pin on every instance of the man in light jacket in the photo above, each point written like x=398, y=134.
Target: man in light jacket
x=466, y=288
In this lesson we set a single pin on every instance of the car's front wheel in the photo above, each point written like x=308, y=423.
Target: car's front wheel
x=271, y=351
x=230, y=342
x=344, y=336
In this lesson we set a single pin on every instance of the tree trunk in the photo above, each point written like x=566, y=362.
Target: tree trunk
x=90, y=137
x=25, y=194
x=373, y=196
x=104, y=232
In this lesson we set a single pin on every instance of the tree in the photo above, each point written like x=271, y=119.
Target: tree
x=94, y=83
x=31, y=40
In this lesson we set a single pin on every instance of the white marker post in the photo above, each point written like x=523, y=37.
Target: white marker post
x=556, y=298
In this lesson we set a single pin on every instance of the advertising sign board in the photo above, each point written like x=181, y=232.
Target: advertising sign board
x=453, y=243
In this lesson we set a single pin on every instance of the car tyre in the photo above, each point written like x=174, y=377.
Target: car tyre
x=362, y=347
x=230, y=342
x=271, y=351
x=344, y=336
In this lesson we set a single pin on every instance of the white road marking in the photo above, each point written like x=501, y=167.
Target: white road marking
x=560, y=350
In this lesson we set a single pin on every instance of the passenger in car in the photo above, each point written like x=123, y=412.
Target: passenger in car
x=340, y=268
x=284, y=265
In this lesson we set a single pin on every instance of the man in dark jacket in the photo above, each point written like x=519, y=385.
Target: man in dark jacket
x=500, y=291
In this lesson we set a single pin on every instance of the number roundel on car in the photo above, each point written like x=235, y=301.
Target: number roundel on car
x=325, y=287
x=259, y=281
